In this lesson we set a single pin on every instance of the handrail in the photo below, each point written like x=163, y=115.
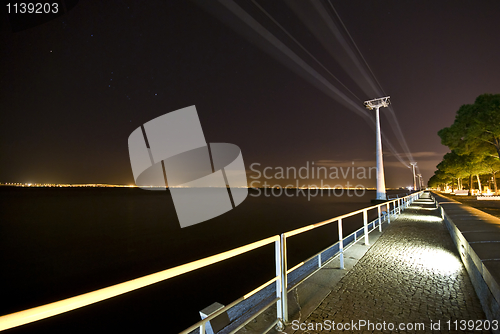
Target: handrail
x=401, y=202
x=65, y=305
x=324, y=250
x=331, y=220
x=339, y=254
x=222, y=310
x=72, y=303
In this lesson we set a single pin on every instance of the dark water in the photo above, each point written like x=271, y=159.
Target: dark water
x=59, y=242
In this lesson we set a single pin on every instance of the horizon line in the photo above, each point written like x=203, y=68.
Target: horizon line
x=107, y=185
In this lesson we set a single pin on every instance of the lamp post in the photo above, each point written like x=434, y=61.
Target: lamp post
x=376, y=104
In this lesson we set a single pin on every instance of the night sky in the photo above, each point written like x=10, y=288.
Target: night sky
x=73, y=89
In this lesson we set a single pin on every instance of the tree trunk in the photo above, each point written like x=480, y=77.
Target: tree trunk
x=497, y=146
x=479, y=184
x=495, y=183
x=471, y=186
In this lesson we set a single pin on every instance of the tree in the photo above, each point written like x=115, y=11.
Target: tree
x=433, y=182
x=485, y=127
x=439, y=179
x=461, y=166
x=476, y=128
x=475, y=133
x=492, y=166
x=454, y=164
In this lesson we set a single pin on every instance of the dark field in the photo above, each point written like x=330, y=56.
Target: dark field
x=57, y=243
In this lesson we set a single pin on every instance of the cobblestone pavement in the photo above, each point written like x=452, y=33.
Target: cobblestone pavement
x=411, y=275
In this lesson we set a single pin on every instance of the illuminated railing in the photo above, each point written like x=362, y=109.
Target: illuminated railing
x=391, y=207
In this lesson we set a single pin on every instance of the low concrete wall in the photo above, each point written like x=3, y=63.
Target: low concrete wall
x=476, y=235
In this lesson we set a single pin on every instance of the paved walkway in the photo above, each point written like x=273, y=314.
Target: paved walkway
x=412, y=275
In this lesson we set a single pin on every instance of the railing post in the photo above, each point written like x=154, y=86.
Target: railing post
x=281, y=282
x=284, y=281
x=379, y=219
x=319, y=260
x=341, y=244
x=365, y=223
x=388, y=213
x=202, y=328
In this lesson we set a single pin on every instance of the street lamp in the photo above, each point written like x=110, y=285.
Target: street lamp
x=376, y=104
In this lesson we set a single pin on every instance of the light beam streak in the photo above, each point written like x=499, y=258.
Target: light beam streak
x=269, y=43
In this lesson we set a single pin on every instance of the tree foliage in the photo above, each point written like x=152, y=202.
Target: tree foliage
x=474, y=140
x=439, y=179
x=476, y=128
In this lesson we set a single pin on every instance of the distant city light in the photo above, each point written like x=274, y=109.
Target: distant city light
x=68, y=185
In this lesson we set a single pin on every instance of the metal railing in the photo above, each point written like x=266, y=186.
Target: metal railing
x=281, y=275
